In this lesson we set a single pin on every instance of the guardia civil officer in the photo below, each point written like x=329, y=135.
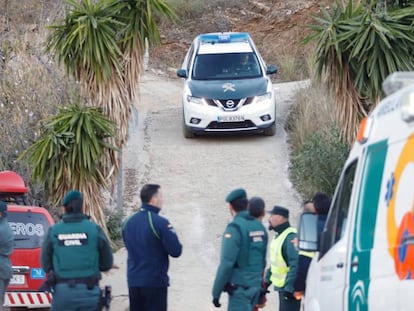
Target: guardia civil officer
x=283, y=259
x=6, y=248
x=243, y=257
x=75, y=251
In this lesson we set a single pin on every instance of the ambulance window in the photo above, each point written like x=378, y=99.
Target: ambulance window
x=29, y=228
x=338, y=216
x=369, y=194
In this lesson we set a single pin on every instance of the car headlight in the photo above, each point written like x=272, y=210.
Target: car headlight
x=265, y=97
x=195, y=100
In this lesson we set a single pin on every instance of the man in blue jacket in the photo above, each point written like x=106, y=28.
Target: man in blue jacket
x=150, y=239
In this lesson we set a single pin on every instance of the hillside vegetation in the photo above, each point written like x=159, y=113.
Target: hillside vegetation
x=33, y=87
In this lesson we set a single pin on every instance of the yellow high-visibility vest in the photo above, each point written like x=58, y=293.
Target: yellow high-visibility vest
x=278, y=266
x=307, y=254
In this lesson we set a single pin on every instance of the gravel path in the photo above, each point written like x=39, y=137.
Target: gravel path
x=196, y=175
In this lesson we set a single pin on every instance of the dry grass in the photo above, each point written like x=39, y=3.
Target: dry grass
x=313, y=110
x=31, y=89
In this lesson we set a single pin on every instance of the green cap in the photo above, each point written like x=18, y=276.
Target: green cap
x=236, y=194
x=71, y=195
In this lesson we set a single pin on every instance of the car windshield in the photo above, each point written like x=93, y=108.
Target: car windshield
x=226, y=66
x=29, y=228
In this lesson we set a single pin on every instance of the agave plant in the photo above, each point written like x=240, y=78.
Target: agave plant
x=358, y=46
x=101, y=45
x=70, y=154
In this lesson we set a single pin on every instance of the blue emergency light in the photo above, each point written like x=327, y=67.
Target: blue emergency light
x=224, y=37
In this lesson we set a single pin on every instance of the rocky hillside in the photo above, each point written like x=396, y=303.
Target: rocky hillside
x=276, y=26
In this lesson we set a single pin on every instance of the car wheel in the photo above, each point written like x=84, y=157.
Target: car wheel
x=270, y=131
x=187, y=133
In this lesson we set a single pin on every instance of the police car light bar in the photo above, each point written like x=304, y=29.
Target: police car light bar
x=396, y=81
x=224, y=37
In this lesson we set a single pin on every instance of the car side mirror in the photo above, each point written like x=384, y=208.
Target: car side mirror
x=271, y=69
x=308, y=232
x=182, y=73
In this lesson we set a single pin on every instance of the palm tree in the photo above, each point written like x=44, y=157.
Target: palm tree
x=101, y=45
x=357, y=47
x=70, y=154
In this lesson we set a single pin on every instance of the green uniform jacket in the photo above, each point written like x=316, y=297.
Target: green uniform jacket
x=72, y=256
x=6, y=248
x=290, y=255
x=243, y=254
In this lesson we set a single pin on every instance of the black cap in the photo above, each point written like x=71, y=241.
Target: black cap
x=280, y=210
x=236, y=194
x=256, y=206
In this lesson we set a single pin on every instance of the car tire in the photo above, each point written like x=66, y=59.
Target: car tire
x=270, y=131
x=187, y=132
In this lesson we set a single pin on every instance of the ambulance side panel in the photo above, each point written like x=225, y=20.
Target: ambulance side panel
x=368, y=195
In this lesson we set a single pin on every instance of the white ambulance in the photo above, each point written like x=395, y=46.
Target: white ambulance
x=365, y=255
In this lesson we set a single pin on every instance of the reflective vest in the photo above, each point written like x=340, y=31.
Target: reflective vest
x=307, y=254
x=278, y=266
x=75, y=249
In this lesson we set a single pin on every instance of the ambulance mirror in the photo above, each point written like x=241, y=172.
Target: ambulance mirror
x=308, y=232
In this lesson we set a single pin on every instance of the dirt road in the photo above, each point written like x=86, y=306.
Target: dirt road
x=196, y=175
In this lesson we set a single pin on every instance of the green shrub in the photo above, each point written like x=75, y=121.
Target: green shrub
x=114, y=220
x=317, y=164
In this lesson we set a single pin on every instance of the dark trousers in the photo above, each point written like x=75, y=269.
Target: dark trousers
x=243, y=299
x=75, y=298
x=288, y=303
x=148, y=298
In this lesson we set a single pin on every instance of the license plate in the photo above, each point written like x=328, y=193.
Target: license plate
x=17, y=279
x=230, y=118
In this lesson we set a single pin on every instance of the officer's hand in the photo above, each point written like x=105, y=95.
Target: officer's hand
x=216, y=303
x=298, y=295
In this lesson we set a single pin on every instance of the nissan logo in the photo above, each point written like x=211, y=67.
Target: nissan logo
x=230, y=104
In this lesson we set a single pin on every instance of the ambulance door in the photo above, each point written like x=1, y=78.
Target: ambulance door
x=327, y=277
x=368, y=200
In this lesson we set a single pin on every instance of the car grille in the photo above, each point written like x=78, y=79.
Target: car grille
x=230, y=125
x=229, y=104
